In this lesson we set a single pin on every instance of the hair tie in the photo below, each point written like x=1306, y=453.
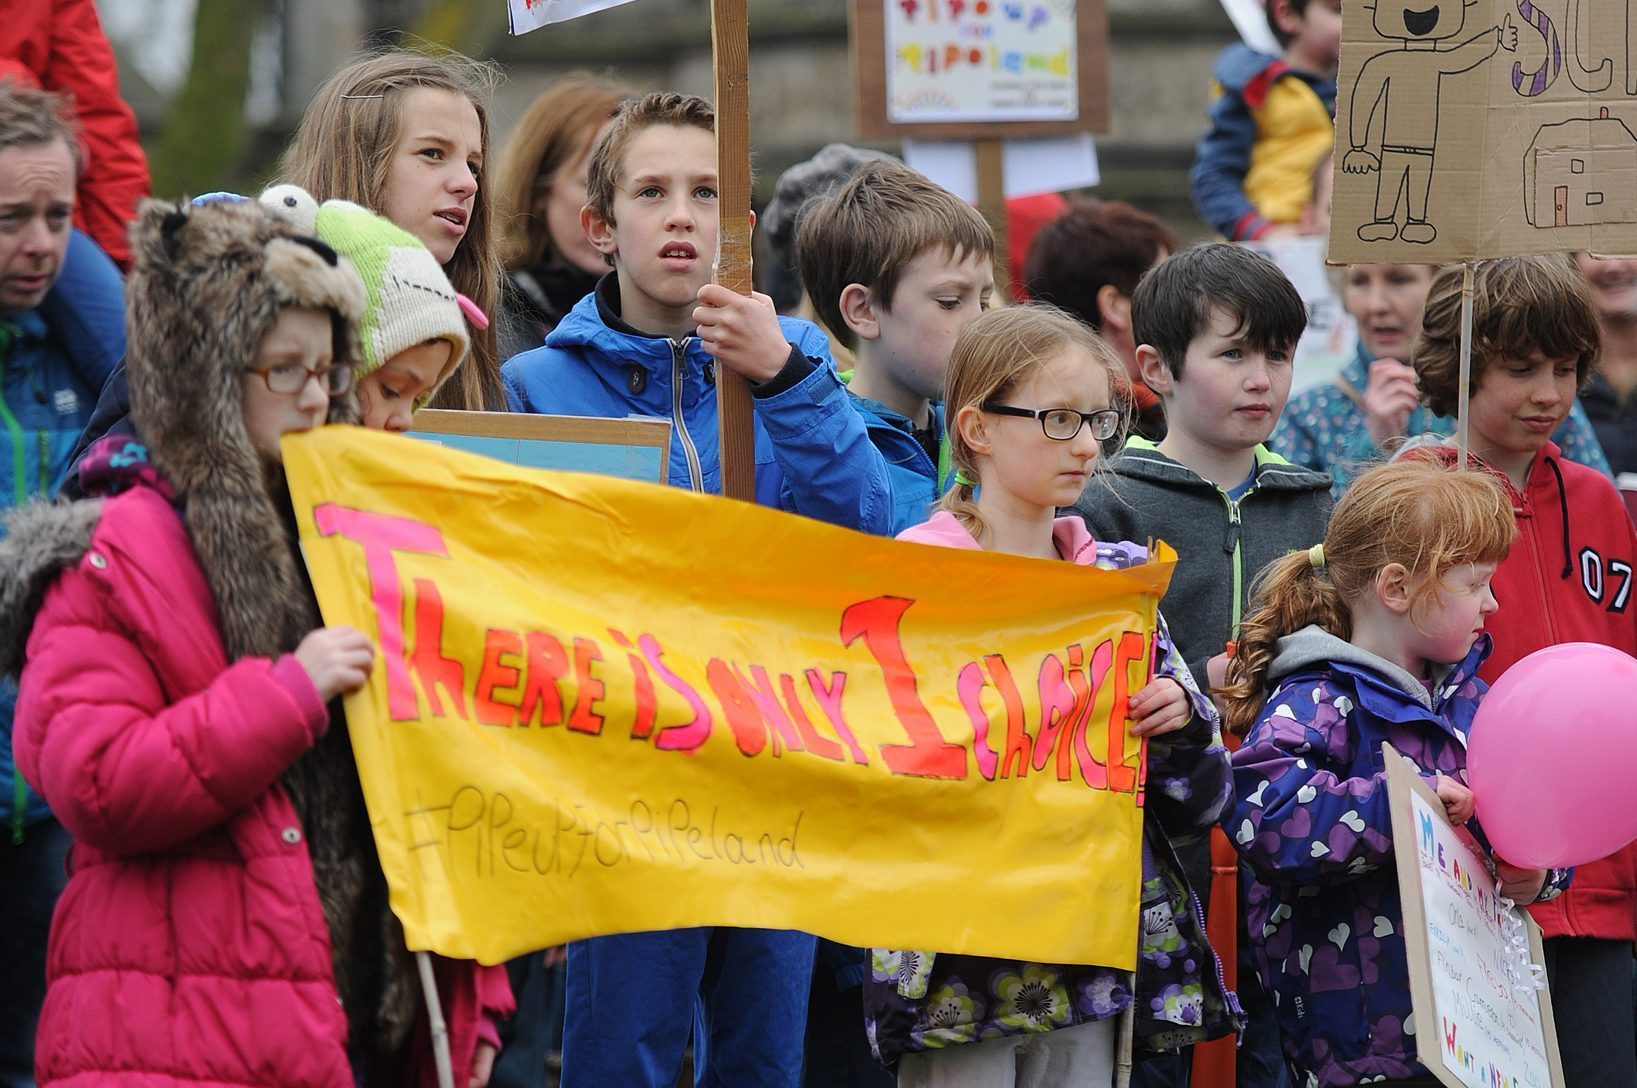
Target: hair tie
x=963, y=479
x=1315, y=556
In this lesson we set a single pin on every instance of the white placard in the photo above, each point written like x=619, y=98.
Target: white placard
x=1330, y=340
x=1251, y=20
x=527, y=15
x=1479, y=1020
x=1047, y=165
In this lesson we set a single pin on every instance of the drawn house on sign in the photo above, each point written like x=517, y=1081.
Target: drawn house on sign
x=1581, y=173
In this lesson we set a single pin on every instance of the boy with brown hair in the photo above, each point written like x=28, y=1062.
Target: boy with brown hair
x=896, y=266
x=647, y=342
x=1568, y=578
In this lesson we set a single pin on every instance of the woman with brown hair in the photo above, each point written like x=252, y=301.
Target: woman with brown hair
x=540, y=188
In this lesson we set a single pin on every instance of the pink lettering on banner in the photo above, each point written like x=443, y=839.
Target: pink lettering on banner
x=382, y=535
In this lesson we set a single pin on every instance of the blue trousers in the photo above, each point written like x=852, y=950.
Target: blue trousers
x=31, y=878
x=634, y=999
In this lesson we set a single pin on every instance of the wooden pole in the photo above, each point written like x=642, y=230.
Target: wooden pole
x=1463, y=395
x=730, y=59
x=435, y=1022
x=992, y=203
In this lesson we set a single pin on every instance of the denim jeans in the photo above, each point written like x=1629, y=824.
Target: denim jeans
x=32, y=876
x=634, y=1000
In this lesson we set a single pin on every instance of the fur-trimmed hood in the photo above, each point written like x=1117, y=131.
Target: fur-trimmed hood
x=208, y=283
x=42, y=539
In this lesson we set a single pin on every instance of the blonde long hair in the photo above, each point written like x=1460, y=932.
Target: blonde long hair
x=343, y=150
x=991, y=357
x=1415, y=512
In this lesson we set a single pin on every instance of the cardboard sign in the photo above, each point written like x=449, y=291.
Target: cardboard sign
x=584, y=721
x=633, y=449
x=1479, y=1022
x=1485, y=129
x=976, y=69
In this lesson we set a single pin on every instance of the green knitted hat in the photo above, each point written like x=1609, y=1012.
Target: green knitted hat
x=410, y=300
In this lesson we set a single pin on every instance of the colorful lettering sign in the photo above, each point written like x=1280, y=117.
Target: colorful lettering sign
x=603, y=706
x=1479, y=1021
x=980, y=69
x=981, y=60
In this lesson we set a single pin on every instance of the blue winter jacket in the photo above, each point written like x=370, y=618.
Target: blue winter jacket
x=53, y=361
x=914, y=476
x=813, y=456
x=1313, y=823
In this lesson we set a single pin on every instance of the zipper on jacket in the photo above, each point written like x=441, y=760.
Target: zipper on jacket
x=1545, y=597
x=679, y=351
x=1232, y=545
x=19, y=473
x=1236, y=1011
x=19, y=451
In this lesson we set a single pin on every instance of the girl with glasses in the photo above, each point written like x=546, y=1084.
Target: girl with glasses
x=1028, y=399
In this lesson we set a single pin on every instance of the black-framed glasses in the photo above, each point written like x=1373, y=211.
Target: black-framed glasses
x=287, y=378
x=1062, y=424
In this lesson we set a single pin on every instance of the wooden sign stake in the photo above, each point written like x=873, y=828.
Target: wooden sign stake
x=1464, y=394
x=992, y=201
x=730, y=60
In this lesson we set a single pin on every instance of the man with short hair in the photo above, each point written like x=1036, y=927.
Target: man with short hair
x=45, y=402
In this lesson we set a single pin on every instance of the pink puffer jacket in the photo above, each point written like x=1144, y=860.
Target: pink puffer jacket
x=190, y=947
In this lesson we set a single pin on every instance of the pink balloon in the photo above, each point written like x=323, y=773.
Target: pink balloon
x=1552, y=756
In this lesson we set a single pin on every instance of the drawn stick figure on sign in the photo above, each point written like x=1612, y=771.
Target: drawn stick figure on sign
x=1400, y=87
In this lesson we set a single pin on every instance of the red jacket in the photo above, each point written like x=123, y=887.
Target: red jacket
x=190, y=947
x=59, y=45
x=1569, y=578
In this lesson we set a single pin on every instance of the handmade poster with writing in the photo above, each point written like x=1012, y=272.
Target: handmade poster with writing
x=1479, y=1020
x=980, y=69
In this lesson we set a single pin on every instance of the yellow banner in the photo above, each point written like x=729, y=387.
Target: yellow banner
x=603, y=706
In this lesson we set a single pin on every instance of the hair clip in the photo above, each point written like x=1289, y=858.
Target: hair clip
x=359, y=97
x=473, y=312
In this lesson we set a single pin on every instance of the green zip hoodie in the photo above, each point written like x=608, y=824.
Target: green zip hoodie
x=1221, y=544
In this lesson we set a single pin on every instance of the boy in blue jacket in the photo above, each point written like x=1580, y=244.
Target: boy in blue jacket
x=896, y=267
x=647, y=342
x=1271, y=124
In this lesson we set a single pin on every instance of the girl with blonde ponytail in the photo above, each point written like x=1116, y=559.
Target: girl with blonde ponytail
x=1028, y=403
x=1375, y=635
